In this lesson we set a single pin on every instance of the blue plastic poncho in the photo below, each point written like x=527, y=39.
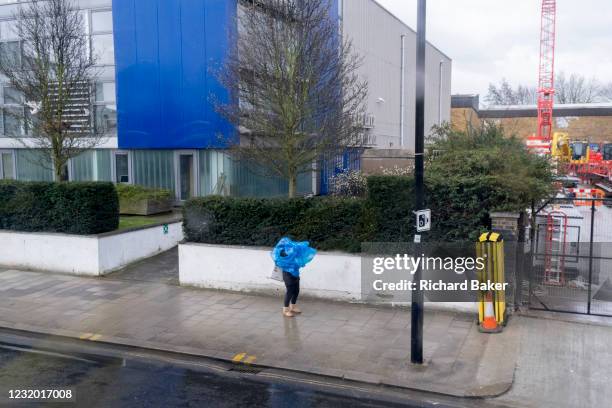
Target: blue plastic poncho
x=290, y=256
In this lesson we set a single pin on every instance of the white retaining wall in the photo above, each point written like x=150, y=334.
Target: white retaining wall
x=331, y=275
x=92, y=255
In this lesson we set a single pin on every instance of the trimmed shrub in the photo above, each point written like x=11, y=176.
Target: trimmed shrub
x=72, y=208
x=391, y=202
x=329, y=223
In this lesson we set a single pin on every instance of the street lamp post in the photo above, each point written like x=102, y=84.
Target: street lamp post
x=416, y=350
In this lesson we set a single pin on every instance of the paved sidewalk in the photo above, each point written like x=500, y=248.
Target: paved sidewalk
x=354, y=342
x=565, y=361
x=161, y=268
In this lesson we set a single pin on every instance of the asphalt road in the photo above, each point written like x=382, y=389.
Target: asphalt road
x=114, y=378
x=106, y=384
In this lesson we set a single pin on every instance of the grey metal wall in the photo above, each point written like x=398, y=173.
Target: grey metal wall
x=376, y=35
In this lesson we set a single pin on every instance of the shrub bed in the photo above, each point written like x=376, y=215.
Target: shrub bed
x=139, y=200
x=72, y=208
x=131, y=192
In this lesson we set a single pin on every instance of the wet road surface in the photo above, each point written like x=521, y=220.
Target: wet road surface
x=109, y=382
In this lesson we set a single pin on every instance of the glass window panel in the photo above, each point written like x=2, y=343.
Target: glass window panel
x=215, y=173
x=83, y=166
x=33, y=165
x=12, y=96
x=154, y=168
x=92, y=165
x=105, y=118
x=105, y=92
x=10, y=52
x=13, y=121
x=122, y=169
x=103, y=49
x=103, y=165
x=101, y=21
x=7, y=166
x=8, y=30
x=85, y=21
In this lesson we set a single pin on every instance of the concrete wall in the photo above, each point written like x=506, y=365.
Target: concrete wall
x=331, y=275
x=92, y=255
x=376, y=36
x=72, y=254
x=119, y=250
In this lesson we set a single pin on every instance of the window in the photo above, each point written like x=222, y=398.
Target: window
x=122, y=167
x=105, y=92
x=10, y=51
x=12, y=96
x=103, y=49
x=7, y=165
x=10, y=47
x=13, y=112
x=8, y=30
x=105, y=108
x=102, y=44
x=102, y=21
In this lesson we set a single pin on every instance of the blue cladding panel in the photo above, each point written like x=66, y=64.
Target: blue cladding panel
x=165, y=54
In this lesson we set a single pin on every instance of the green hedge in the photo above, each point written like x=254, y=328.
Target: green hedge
x=73, y=208
x=460, y=208
x=390, y=201
x=460, y=213
x=329, y=223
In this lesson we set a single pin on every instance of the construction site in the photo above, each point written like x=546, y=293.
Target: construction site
x=570, y=249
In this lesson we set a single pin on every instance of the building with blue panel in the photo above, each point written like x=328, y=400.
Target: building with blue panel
x=166, y=53
x=154, y=96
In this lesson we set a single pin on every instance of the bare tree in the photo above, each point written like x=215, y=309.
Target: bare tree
x=576, y=89
x=504, y=94
x=53, y=74
x=297, y=97
x=606, y=93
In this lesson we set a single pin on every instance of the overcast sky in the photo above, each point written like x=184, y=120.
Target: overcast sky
x=491, y=39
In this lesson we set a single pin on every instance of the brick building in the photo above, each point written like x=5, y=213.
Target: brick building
x=589, y=122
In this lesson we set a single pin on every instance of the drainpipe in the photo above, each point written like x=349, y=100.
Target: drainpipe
x=440, y=94
x=402, y=89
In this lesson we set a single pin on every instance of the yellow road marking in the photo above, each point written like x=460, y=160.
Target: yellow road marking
x=238, y=357
x=85, y=336
x=95, y=337
x=250, y=360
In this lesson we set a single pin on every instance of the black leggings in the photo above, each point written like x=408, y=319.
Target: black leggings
x=293, y=288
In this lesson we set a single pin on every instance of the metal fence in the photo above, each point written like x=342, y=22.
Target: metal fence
x=569, y=262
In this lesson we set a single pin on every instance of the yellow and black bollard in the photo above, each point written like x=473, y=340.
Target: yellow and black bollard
x=491, y=303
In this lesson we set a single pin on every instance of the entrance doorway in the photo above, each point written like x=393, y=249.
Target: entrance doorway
x=186, y=175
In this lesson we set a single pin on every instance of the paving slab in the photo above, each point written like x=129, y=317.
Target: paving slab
x=350, y=341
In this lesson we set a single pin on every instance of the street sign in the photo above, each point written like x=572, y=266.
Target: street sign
x=423, y=220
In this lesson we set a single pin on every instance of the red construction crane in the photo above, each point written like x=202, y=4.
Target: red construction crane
x=541, y=142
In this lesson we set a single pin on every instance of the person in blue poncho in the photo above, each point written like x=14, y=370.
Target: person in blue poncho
x=290, y=256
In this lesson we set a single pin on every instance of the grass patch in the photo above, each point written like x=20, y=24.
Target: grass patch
x=135, y=221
